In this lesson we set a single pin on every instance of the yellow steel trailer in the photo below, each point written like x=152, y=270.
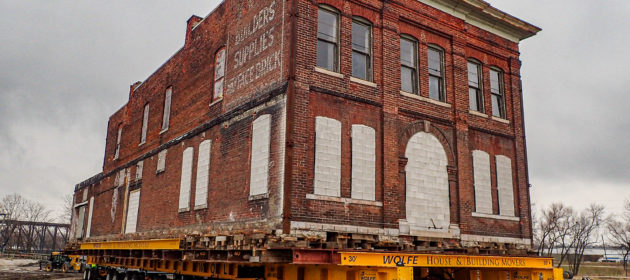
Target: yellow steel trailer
x=166, y=259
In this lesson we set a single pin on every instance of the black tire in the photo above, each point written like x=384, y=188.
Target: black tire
x=65, y=267
x=49, y=267
x=567, y=275
x=86, y=274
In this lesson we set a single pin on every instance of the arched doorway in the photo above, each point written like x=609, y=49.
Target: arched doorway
x=427, y=186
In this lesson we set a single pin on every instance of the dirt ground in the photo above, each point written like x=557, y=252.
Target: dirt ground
x=19, y=269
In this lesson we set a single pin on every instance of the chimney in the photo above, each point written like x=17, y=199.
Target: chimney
x=133, y=87
x=192, y=22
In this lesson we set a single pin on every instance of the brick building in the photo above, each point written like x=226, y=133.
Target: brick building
x=390, y=122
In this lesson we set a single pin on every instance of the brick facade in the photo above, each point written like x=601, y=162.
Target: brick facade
x=416, y=175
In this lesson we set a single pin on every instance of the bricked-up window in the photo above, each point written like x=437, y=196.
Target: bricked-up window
x=89, y=225
x=363, y=162
x=361, y=49
x=497, y=93
x=436, y=74
x=118, y=135
x=139, y=169
x=166, y=115
x=504, y=185
x=408, y=65
x=259, y=165
x=203, y=172
x=475, y=94
x=328, y=38
x=327, y=179
x=145, y=124
x=132, y=211
x=186, y=180
x=161, y=161
x=482, y=182
x=219, y=74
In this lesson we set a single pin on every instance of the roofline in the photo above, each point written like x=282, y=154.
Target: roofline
x=481, y=14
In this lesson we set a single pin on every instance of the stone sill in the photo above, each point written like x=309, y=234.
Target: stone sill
x=501, y=120
x=258, y=196
x=416, y=96
x=328, y=72
x=182, y=210
x=363, y=82
x=216, y=102
x=163, y=130
x=496, y=217
x=199, y=207
x=476, y=113
x=344, y=200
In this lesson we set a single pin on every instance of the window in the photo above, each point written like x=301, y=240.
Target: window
x=327, y=179
x=161, y=163
x=219, y=74
x=145, y=124
x=482, y=182
x=504, y=185
x=117, y=152
x=203, y=174
x=186, y=180
x=408, y=65
x=363, y=162
x=436, y=74
x=475, y=94
x=327, y=38
x=139, y=168
x=167, y=108
x=132, y=211
x=496, y=90
x=361, y=50
x=259, y=164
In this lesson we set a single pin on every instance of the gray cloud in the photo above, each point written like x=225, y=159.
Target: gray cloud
x=576, y=99
x=65, y=66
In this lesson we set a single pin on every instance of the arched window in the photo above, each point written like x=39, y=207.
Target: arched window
x=497, y=92
x=361, y=49
x=475, y=88
x=219, y=74
x=118, y=136
x=328, y=38
x=436, y=73
x=408, y=64
x=145, y=124
x=166, y=115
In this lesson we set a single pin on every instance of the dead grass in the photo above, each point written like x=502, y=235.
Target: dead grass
x=596, y=271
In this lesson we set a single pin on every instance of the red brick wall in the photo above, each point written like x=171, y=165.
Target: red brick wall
x=394, y=117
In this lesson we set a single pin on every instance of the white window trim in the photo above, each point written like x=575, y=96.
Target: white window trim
x=328, y=72
x=433, y=101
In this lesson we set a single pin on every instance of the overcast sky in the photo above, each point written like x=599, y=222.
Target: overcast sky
x=66, y=66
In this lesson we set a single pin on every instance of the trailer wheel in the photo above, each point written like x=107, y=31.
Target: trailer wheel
x=65, y=267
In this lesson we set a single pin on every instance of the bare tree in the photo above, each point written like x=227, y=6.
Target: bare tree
x=68, y=206
x=587, y=225
x=619, y=234
x=17, y=208
x=553, y=230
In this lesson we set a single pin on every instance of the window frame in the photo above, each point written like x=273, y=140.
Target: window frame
x=145, y=124
x=369, y=64
x=337, y=54
x=221, y=78
x=415, y=76
x=500, y=95
x=442, y=77
x=166, y=113
x=118, y=140
x=480, y=94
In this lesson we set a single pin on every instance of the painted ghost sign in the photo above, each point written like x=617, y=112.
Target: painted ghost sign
x=254, y=58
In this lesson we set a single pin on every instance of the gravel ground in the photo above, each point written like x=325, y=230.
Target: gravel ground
x=20, y=269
